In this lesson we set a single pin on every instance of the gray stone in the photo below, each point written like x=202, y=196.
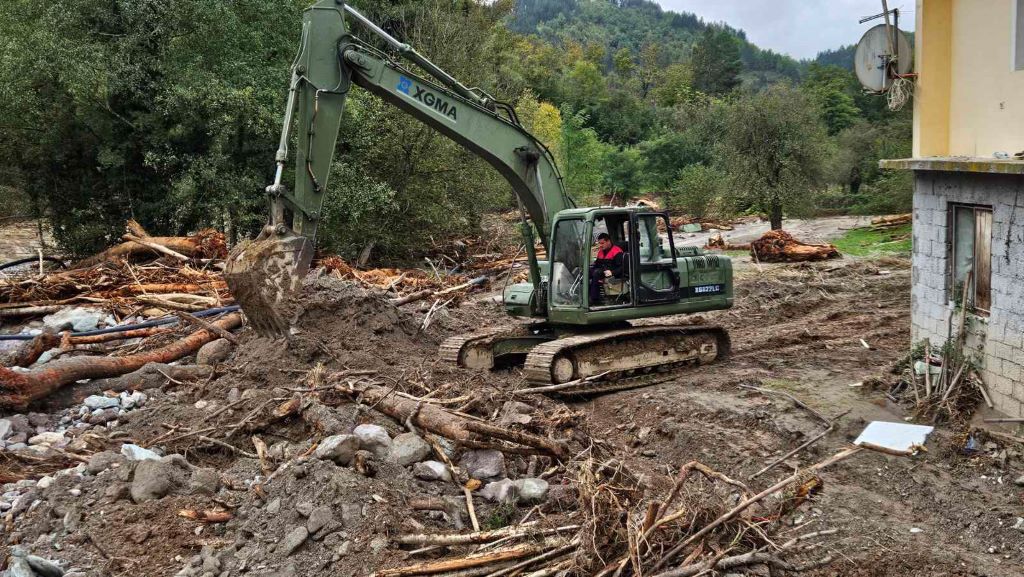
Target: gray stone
x=503, y=491
x=338, y=448
x=100, y=402
x=133, y=400
x=483, y=464
x=431, y=471
x=292, y=541
x=515, y=412
x=304, y=508
x=408, y=448
x=44, y=482
x=6, y=428
x=72, y=520
x=204, y=482
x=102, y=461
x=214, y=352
x=38, y=419
x=1019, y=481
x=532, y=490
x=19, y=567
x=318, y=519
x=374, y=439
x=137, y=453
x=44, y=567
x=77, y=319
x=155, y=479
x=102, y=417
x=20, y=424
x=274, y=506
x=49, y=439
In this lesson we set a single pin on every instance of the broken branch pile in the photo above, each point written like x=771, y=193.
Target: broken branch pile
x=780, y=246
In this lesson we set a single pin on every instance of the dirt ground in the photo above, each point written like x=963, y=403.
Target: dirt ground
x=811, y=230
x=796, y=329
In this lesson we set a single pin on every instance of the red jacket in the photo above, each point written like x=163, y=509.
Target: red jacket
x=610, y=260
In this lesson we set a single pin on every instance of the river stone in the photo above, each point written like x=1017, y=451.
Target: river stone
x=6, y=428
x=503, y=491
x=137, y=453
x=373, y=438
x=49, y=439
x=338, y=448
x=483, y=464
x=318, y=519
x=431, y=471
x=44, y=567
x=292, y=541
x=100, y=402
x=214, y=352
x=532, y=490
x=408, y=448
x=155, y=479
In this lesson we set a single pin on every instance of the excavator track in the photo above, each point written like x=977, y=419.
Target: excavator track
x=476, y=350
x=622, y=359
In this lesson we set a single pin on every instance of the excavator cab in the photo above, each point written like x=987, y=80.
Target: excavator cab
x=657, y=278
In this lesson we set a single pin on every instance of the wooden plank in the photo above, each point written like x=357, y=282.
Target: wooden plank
x=983, y=259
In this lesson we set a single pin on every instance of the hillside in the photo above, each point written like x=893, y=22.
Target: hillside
x=634, y=24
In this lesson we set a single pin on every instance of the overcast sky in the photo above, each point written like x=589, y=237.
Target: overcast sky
x=800, y=28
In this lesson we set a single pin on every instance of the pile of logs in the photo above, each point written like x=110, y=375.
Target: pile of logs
x=780, y=246
x=886, y=222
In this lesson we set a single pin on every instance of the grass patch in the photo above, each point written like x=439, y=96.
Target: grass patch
x=867, y=242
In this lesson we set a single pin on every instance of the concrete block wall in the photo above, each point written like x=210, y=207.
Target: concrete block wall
x=997, y=340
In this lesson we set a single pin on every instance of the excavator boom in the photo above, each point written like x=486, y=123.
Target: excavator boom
x=330, y=60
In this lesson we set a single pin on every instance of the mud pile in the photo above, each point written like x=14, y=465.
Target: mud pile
x=263, y=468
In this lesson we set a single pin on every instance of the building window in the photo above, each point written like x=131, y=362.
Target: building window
x=971, y=249
x=1018, y=35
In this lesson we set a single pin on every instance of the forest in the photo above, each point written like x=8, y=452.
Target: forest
x=168, y=112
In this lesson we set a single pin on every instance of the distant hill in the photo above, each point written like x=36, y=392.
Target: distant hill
x=615, y=24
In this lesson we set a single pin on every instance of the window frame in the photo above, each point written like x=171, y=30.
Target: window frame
x=983, y=307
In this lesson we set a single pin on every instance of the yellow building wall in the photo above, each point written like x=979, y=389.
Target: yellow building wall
x=969, y=99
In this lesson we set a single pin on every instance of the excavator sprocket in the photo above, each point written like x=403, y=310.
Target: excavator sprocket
x=261, y=273
x=622, y=358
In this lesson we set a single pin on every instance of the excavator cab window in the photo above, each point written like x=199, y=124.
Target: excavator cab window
x=567, y=268
x=615, y=291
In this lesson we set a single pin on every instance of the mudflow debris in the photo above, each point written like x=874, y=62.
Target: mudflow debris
x=349, y=449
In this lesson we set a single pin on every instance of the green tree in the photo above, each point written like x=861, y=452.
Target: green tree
x=586, y=84
x=584, y=153
x=698, y=190
x=716, y=62
x=665, y=156
x=623, y=173
x=832, y=89
x=776, y=148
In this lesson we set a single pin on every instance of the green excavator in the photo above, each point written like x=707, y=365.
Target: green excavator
x=570, y=337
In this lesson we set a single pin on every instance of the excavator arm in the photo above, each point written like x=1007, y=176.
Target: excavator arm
x=329, y=62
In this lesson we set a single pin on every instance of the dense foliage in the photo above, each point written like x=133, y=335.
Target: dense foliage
x=168, y=111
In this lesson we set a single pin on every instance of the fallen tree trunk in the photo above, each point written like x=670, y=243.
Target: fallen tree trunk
x=30, y=352
x=137, y=289
x=447, y=424
x=780, y=246
x=204, y=244
x=894, y=220
x=17, y=390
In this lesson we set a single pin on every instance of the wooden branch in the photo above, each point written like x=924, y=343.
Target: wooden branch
x=17, y=390
x=743, y=505
x=477, y=537
x=30, y=352
x=440, y=421
x=474, y=560
x=194, y=320
x=179, y=301
x=808, y=443
x=157, y=247
x=558, y=387
x=413, y=297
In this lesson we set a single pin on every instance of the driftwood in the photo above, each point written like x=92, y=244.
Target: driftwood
x=447, y=424
x=746, y=503
x=719, y=242
x=17, y=390
x=204, y=244
x=467, y=562
x=780, y=246
x=891, y=221
x=477, y=537
x=30, y=351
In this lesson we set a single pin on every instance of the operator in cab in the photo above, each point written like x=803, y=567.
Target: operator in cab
x=608, y=264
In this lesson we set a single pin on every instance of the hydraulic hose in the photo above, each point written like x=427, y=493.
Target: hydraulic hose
x=122, y=328
x=27, y=260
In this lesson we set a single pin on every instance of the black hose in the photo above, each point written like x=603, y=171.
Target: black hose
x=32, y=259
x=122, y=328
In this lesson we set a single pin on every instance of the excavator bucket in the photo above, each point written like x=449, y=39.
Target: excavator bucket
x=261, y=273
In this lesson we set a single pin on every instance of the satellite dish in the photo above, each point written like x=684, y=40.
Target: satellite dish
x=874, y=60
